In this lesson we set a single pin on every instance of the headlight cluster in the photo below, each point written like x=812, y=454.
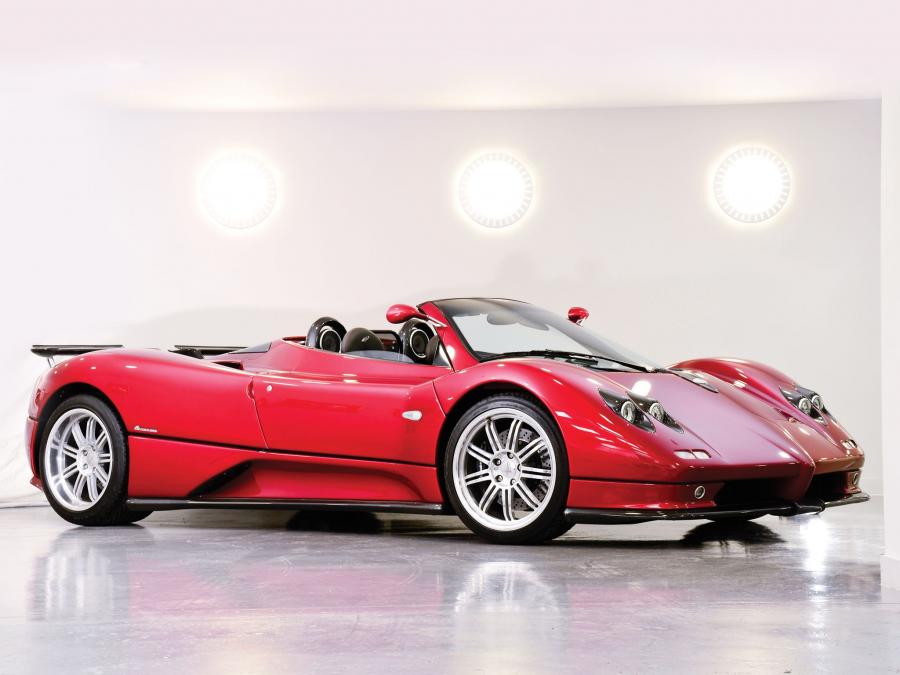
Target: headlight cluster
x=638, y=410
x=806, y=401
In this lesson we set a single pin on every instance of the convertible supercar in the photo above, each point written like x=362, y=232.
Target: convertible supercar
x=518, y=420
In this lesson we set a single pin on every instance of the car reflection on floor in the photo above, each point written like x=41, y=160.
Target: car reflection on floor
x=264, y=591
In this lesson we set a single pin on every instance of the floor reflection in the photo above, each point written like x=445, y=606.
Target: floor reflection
x=209, y=589
x=724, y=533
x=86, y=573
x=345, y=558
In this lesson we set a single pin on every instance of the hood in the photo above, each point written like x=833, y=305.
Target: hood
x=728, y=423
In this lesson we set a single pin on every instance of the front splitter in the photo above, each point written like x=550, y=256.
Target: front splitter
x=626, y=516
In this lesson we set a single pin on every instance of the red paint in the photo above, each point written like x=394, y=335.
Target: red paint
x=30, y=441
x=403, y=313
x=179, y=396
x=326, y=403
x=578, y=315
x=272, y=475
x=311, y=424
x=594, y=494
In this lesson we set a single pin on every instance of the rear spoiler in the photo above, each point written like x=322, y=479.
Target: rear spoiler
x=50, y=352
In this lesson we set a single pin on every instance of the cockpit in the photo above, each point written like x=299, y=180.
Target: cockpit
x=415, y=342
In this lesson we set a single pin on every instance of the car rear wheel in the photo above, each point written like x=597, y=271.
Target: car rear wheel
x=84, y=464
x=506, y=471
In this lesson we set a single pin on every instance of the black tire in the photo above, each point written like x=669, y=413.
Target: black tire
x=551, y=521
x=135, y=516
x=564, y=527
x=110, y=508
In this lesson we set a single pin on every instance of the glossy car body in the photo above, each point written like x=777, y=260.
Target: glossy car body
x=290, y=426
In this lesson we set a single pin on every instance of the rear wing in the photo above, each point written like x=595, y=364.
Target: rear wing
x=50, y=352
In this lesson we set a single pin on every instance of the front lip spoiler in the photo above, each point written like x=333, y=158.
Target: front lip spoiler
x=625, y=516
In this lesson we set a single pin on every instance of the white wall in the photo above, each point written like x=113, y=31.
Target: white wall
x=890, y=303
x=104, y=241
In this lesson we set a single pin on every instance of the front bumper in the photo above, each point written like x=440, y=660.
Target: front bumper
x=626, y=516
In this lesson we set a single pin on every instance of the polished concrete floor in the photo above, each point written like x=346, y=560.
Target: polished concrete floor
x=270, y=592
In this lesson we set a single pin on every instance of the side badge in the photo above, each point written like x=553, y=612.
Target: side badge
x=146, y=430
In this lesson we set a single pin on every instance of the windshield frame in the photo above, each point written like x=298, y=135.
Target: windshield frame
x=611, y=353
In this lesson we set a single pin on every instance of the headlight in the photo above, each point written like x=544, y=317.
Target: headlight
x=806, y=401
x=638, y=410
x=628, y=410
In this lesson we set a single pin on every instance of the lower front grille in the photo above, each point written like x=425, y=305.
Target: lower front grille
x=828, y=486
x=750, y=491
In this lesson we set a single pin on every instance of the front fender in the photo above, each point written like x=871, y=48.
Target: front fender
x=758, y=379
x=600, y=445
x=765, y=383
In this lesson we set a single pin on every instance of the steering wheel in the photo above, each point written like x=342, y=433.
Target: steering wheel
x=414, y=337
x=326, y=334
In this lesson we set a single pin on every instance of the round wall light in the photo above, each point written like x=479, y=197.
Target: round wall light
x=752, y=184
x=238, y=191
x=496, y=190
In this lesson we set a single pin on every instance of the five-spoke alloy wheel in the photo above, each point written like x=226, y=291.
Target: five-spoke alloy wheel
x=507, y=472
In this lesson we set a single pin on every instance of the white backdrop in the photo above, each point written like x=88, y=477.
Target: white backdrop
x=104, y=241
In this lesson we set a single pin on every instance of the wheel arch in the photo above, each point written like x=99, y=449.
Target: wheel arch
x=53, y=402
x=465, y=403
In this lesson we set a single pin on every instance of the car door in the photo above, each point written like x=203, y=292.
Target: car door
x=351, y=406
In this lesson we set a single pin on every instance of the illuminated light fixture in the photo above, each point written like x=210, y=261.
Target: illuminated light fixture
x=496, y=190
x=752, y=184
x=238, y=191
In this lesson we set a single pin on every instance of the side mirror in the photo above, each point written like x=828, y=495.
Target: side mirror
x=403, y=313
x=578, y=314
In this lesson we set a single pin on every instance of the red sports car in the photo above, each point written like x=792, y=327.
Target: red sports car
x=516, y=419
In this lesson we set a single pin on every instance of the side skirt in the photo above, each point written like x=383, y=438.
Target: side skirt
x=150, y=504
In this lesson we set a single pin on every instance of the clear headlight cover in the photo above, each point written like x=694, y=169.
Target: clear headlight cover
x=808, y=402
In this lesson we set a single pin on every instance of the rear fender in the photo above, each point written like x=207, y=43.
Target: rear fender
x=161, y=394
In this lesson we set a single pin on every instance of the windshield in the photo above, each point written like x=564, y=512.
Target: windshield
x=492, y=328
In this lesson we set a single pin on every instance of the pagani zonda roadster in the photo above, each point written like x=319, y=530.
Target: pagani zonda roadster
x=519, y=421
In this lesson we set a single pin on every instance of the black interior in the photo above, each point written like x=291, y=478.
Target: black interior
x=415, y=336
x=327, y=334
x=361, y=339
x=417, y=341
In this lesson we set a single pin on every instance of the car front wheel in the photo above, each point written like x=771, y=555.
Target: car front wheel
x=506, y=471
